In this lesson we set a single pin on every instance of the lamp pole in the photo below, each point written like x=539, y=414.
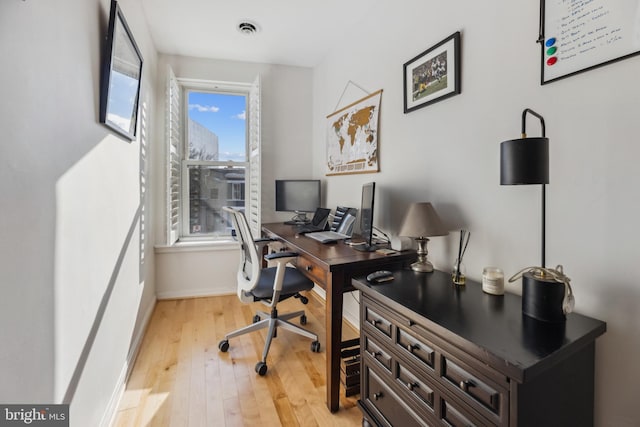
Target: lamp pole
x=524, y=135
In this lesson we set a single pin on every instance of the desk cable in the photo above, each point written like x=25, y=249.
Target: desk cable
x=376, y=229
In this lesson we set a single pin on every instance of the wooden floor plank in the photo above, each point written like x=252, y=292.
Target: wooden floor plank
x=180, y=377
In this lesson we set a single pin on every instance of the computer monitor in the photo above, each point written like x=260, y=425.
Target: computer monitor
x=366, y=217
x=299, y=196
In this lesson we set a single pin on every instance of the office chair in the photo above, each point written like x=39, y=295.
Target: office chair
x=268, y=285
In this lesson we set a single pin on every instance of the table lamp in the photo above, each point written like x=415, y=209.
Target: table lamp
x=526, y=161
x=421, y=222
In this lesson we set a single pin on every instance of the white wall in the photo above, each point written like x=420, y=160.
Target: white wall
x=77, y=273
x=286, y=139
x=448, y=154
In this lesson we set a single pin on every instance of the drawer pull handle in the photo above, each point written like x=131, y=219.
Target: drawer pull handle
x=377, y=396
x=309, y=267
x=411, y=386
x=465, y=384
x=374, y=322
x=374, y=354
x=412, y=347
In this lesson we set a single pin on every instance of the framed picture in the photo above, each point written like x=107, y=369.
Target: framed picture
x=580, y=36
x=433, y=75
x=120, y=78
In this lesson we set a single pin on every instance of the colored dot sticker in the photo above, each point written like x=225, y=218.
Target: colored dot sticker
x=552, y=60
x=551, y=50
x=550, y=42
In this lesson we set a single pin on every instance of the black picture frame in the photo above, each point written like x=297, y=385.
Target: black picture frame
x=576, y=37
x=120, y=77
x=433, y=75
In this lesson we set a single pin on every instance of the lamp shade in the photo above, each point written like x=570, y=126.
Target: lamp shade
x=524, y=161
x=422, y=220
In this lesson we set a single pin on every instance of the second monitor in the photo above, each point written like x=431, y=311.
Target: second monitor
x=300, y=196
x=366, y=217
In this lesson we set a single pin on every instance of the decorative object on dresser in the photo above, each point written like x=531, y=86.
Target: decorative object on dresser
x=421, y=222
x=436, y=354
x=458, y=272
x=525, y=161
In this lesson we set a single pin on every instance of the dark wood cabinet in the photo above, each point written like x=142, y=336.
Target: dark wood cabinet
x=437, y=354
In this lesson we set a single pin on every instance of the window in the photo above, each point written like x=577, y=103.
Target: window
x=214, y=157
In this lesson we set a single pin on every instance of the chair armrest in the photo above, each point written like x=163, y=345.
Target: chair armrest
x=262, y=243
x=277, y=255
x=264, y=240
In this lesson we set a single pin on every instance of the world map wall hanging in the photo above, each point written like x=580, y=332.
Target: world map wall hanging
x=352, y=137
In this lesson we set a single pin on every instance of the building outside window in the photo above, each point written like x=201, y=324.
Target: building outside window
x=215, y=161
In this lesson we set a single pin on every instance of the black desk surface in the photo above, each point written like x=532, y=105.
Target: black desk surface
x=484, y=325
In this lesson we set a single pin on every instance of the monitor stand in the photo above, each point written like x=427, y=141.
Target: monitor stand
x=300, y=218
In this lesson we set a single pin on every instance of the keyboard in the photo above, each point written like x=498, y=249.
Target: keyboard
x=327, y=236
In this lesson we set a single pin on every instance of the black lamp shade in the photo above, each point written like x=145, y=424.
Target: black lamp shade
x=524, y=161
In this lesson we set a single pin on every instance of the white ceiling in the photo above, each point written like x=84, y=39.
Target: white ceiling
x=292, y=32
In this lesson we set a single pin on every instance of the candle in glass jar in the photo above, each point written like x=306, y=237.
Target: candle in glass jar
x=493, y=281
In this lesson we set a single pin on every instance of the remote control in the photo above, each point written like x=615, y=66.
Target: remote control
x=380, y=276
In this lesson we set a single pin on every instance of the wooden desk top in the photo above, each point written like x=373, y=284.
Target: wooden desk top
x=484, y=325
x=330, y=255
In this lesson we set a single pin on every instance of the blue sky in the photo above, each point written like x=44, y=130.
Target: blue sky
x=224, y=115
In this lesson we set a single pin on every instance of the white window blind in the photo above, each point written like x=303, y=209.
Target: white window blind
x=254, y=203
x=173, y=136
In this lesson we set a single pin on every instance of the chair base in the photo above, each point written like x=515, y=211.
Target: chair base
x=272, y=321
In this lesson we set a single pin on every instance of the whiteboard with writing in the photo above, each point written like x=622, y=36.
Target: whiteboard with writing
x=578, y=35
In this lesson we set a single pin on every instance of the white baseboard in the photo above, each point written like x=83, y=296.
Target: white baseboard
x=195, y=293
x=112, y=408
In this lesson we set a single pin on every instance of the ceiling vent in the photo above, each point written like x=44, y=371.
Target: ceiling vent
x=248, y=28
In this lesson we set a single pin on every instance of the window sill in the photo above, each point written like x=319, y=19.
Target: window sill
x=198, y=246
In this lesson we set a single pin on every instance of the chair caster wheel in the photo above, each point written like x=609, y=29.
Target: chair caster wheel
x=223, y=346
x=256, y=318
x=315, y=346
x=261, y=369
x=303, y=319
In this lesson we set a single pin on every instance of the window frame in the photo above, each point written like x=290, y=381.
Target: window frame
x=227, y=88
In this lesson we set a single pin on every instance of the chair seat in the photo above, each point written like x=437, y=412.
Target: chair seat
x=294, y=282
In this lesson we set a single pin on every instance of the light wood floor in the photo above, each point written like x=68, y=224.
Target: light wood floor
x=180, y=378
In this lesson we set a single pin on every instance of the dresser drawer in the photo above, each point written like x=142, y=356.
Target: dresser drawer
x=375, y=351
x=377, y=319
x=482, y=394
x=454, y=415
x=411, y=383
x=416, y=348
x=389, y=408
x=312, y=270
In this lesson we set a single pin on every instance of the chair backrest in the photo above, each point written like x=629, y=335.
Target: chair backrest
x=344, y=214
x=250, y=263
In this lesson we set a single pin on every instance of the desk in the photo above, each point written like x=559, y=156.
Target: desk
x=331, y=266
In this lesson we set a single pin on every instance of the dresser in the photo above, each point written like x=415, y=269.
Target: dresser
x=438, y=354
